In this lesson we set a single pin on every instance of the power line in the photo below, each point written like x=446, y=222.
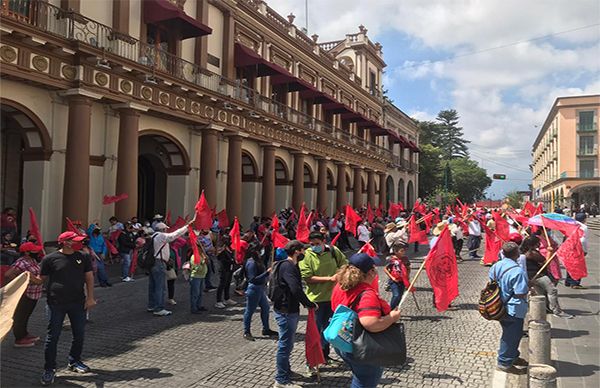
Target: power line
x=505, y=165
x=416, y=64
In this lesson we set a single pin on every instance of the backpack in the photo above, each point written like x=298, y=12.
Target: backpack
x=339, y=332
x=491, y=306
x=146, y=257
x=275, y=291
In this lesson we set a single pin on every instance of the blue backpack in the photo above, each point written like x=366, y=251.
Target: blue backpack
x=341, y=326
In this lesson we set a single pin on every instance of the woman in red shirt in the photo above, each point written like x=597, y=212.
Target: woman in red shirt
x=374, y=313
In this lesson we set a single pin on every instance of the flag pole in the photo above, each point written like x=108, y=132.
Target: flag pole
x=545, y=231
x=412, y=283
x=544, y=266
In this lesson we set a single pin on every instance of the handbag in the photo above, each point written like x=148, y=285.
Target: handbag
x=491, y=306
x=385, y=348
x=341, y=326
x=171, y=274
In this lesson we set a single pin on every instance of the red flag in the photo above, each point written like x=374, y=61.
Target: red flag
x=492, y=245
x=34, y=228
x=334, y=241
x=134, y=260
x=203, y=214
x=236, y=240
x=223, y=219
x=337, y=215
x=394, y=210
x=419, y=207
x=194, y=244
x=108, y=199
x=279, y=240
x=415, y=233
x=352, y=220
x=168, y=218
x=539, y=209
x=312, y=342
x=368, y=249
x=379, y=211
x=179, y=222
x=302, y=232
x=502, y=227
x=370, y=214
x=442, y=271
x=111, y=248
x=528, y=209
x=572, y=256
x=71, y=227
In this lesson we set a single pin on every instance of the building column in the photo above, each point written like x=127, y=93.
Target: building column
x=382, y=190
x=357, y=188
x=234, y=178
x=201, y=46
x=76, y=193
x=208, y=165
x=268, y=181
x=340, y=193
x=121, y=16
x=322, y=184
x=228, y=47
x=298, y=181
x=127, y=163
x=371, y=188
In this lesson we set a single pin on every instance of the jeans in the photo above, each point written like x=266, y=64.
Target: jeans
x=288, y=324
x=363, y=376
x=544, y=286
x=397, y=291
x=156, y=286
x=322, y=316
x=569, y=281
x=171, y=289
x=125, y=264
x=211, y=270
x=473, y=243
x=101, y=272
x=224, y=285
x=256, y=296
x=512, y=332
x=57, y=313
x=21, y=317
x=196, y=287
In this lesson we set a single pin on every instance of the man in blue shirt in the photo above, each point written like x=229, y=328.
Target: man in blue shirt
x=513, y=283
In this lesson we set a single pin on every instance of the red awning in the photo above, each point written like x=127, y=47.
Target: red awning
x=245, y=57
x=168, y=15
x=413, y=146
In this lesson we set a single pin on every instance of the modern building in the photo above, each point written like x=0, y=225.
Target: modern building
x=565, y=154
x=163, y=99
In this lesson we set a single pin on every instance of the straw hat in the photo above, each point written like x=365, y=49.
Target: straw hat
x=439, y=227
x=389, y=227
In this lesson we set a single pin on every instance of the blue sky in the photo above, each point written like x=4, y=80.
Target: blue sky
x=503, y=95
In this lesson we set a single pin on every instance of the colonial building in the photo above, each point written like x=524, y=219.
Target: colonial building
x=162, y=99
x=565, y=154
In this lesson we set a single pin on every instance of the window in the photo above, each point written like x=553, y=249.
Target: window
x=586, y=168
x=281, y=176
x=586, y=121
x=372, y=82
x=248, y=168
x=586, y=145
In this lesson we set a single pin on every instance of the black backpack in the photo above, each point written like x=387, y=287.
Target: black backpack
x=275, y=290
x=146, y=258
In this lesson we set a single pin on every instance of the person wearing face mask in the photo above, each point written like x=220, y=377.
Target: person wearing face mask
x=28, y=262
x=98, y=250
x=318, y=270
x=67, y=271
x=286, y=294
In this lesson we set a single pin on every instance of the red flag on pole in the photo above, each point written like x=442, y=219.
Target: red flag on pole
x=368, y=249
x=111, y=248
x=572, y=256
x=236, y=240
x=492, y=245
x=223, y=219
x=415, y=233
x=379, y=211
x=71, y=227
x=442, y=271
x=108, y=199
x=352, y=220
x=302, y=232
x=312, y=342
x=309, y=220
x=179, y=222
x=203, y=214
x=502, y=227
x=279, y=240
x=34, y=227
x=394, y=210
x=194, y=244
x=370, y=214
x=334, y=241
x=168, y=218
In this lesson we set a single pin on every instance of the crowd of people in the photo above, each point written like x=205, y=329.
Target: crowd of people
x=315, y=272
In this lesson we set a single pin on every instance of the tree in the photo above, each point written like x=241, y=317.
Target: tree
x=430, y=169
x=469, y=180
x=440, y=198
x=515, y=199
x=451, y=135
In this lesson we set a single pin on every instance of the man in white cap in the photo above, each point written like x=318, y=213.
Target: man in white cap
x=157, y=280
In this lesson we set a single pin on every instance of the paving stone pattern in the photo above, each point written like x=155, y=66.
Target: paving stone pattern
x=126, y=346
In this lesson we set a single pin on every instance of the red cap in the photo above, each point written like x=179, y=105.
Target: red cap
x=70, y=236
x=30, y=247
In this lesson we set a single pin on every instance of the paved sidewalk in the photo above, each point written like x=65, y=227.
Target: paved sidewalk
x=126, y=346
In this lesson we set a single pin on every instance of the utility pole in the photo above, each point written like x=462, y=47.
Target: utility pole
x=306, y=15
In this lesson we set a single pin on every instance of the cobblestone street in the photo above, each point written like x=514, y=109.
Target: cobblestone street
x=126, y=346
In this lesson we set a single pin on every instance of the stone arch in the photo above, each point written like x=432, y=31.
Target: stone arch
x=282, y=174
x=174, y=152
x=401, y=195
x=37, y=143
x=249, y=167
x=389, y=184
x=410, y=195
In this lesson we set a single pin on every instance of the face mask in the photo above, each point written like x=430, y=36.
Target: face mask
x=317, y=249
x=77, y=246
x=34, y=256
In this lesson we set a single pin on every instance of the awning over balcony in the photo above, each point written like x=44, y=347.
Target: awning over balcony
x=246, y=57
x=168, y=15
x=413, y=146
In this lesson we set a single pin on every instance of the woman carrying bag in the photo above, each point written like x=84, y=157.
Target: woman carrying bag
x=374, y=314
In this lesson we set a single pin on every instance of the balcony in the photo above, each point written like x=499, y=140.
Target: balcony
x=586, y=127
x=160, y=63
x=588, y=151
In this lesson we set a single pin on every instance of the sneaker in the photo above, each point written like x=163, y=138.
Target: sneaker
x=127, y=279
x=162, y=313
x=562, y=314
x=210, y=289
x=248, y=336
x=578, y=287
x=220, y=305
x=150, y=310
x=33, y=338
x=24, y=343
x=333, y=362
x=270, y=333
x=48, y=377
x=511, y=369
x=78, y=367
x=230, y=302
x=286, y=385
x=520, y=362
x=171, y=302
